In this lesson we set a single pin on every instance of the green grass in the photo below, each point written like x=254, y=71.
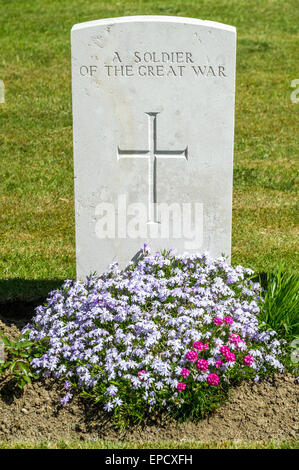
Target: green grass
x=37, y=246
x=98, y=444
x=281, y=304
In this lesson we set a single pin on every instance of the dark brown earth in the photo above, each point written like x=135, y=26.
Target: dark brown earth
x=254, y=412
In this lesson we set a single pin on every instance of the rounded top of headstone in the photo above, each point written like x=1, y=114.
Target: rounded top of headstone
x=154, y=18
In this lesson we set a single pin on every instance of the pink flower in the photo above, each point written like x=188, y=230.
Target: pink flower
x=233, y=338
x=202, y=364
x=218, y=321
x=230, y=357
x=198, y=345
x=228, y=320
x=206, y=346
x=248, y=360
x=224, y=350
x=192, y=356
x=185, y=372
x=181, y=386
x=141, y=373
x=218, y=364
x=213, y=379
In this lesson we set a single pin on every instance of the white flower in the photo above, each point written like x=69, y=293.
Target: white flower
x=108, y=406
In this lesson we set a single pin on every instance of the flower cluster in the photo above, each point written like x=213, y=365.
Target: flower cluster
x=167, y=324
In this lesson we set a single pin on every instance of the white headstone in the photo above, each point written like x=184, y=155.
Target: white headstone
x=153, y=117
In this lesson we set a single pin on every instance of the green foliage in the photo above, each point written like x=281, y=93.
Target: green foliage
x=280, y=312
x=17, y=363
x=280, y=309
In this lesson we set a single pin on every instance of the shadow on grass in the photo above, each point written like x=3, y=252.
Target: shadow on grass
x=19, y=297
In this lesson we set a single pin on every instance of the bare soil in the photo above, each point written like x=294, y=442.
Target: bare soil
x=254, y=412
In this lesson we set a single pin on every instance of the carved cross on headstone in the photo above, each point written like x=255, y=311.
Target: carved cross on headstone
x=152, y=154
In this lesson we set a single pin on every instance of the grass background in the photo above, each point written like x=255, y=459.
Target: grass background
x=37, y=245
x=97, y=444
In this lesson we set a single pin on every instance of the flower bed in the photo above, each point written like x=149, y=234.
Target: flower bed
x=171, y=332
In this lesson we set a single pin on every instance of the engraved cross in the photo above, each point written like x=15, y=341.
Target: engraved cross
x=152, y=154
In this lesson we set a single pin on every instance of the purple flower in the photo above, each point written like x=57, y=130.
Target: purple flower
x=67, y=385
x=135, y=328
x=66, y=399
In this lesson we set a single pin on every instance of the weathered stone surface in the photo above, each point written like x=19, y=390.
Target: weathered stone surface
x=153, y=114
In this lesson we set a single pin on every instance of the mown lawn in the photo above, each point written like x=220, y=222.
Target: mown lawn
x=98, y=444
x=37, y=247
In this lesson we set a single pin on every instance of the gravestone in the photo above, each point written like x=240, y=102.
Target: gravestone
x=153, y=124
